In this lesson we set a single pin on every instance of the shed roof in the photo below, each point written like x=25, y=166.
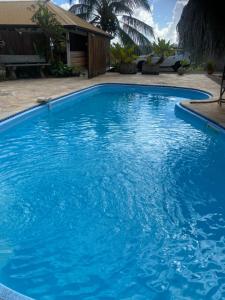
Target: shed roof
x=19, y=13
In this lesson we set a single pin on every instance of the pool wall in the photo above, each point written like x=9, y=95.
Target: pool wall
x=198, y=119
x=7, y=293
x=44, y=108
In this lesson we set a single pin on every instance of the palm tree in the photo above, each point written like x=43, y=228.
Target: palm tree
x=163, y=48
x=117, y=18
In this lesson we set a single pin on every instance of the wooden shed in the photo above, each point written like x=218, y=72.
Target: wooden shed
x=86, y=45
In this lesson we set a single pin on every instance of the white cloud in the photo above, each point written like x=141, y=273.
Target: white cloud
x=145, y=16
x=170, y=31
x=65, y=5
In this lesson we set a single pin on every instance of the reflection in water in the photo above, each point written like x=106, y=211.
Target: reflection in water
x=113, y=197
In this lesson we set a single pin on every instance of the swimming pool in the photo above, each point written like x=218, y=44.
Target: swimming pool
x=112, y=194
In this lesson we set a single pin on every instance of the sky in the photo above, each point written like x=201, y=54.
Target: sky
x=164, y=16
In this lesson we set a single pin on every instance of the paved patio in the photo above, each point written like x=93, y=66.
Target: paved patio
x=18, y=95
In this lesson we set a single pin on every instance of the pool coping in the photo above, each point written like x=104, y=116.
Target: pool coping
x=203, y=119
x=199, y=114
x=10, y=294
x=35, y=108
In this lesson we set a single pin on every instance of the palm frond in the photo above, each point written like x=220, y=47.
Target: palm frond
x=120, y=7
x=86, y=10
x=140, y=4
x=79, y=8
x=138, y=38
x=139, y=25
x=116, y=18
x=90, y=3
x=125, y=38
x=95, y=20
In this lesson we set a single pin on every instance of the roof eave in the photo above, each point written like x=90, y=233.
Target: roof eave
x=65, y=26
x=89, y=30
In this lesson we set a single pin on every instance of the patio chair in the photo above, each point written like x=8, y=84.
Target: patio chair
x=222, y=88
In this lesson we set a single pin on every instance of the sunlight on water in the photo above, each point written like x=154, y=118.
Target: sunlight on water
x=113, y=196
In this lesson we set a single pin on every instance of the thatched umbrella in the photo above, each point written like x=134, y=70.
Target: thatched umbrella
x=202, y=29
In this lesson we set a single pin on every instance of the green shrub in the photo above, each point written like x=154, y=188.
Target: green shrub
x=163, y=48
x=210, y=67
x=196, y=67
x=184, y=63
x=59, y=69
x=158, y=62
x=149, y=60
x=52, y=30
x=122, y=55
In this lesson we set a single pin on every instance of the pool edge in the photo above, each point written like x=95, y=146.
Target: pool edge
x=28, y=112
x=200, y=117
x=9, y=294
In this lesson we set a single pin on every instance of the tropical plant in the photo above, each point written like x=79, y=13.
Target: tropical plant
x=52, y=29
x=149, y=67
x=196, y=67
x=122, y=55
x=123, y=58
x=117, y=18
x=183, y=67
x=184, y=63
x=59, y=69
x=149, y=60
x=163, y=48
x=76, y=70
x=210, y=67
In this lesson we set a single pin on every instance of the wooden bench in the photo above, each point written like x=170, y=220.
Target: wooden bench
x=12, y=62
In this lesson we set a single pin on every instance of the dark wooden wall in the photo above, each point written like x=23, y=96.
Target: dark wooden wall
x=98, y=54
x=91, y=51
x=78, y=42
x=20, y=43
x=79, y=50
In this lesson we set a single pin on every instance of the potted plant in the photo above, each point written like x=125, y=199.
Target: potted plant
x=183, y=66
x=59, y=69
x=150, y=68
x=76, y=71
x=210, y=67
x=124, y=58
x=163, y=49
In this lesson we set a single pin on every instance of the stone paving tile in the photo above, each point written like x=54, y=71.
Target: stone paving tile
x=21, y=94
x=212, y=111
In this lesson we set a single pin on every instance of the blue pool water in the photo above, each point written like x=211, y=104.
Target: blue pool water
x=111, y=194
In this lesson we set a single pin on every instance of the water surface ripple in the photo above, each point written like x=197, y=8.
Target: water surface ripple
x=113, y=197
